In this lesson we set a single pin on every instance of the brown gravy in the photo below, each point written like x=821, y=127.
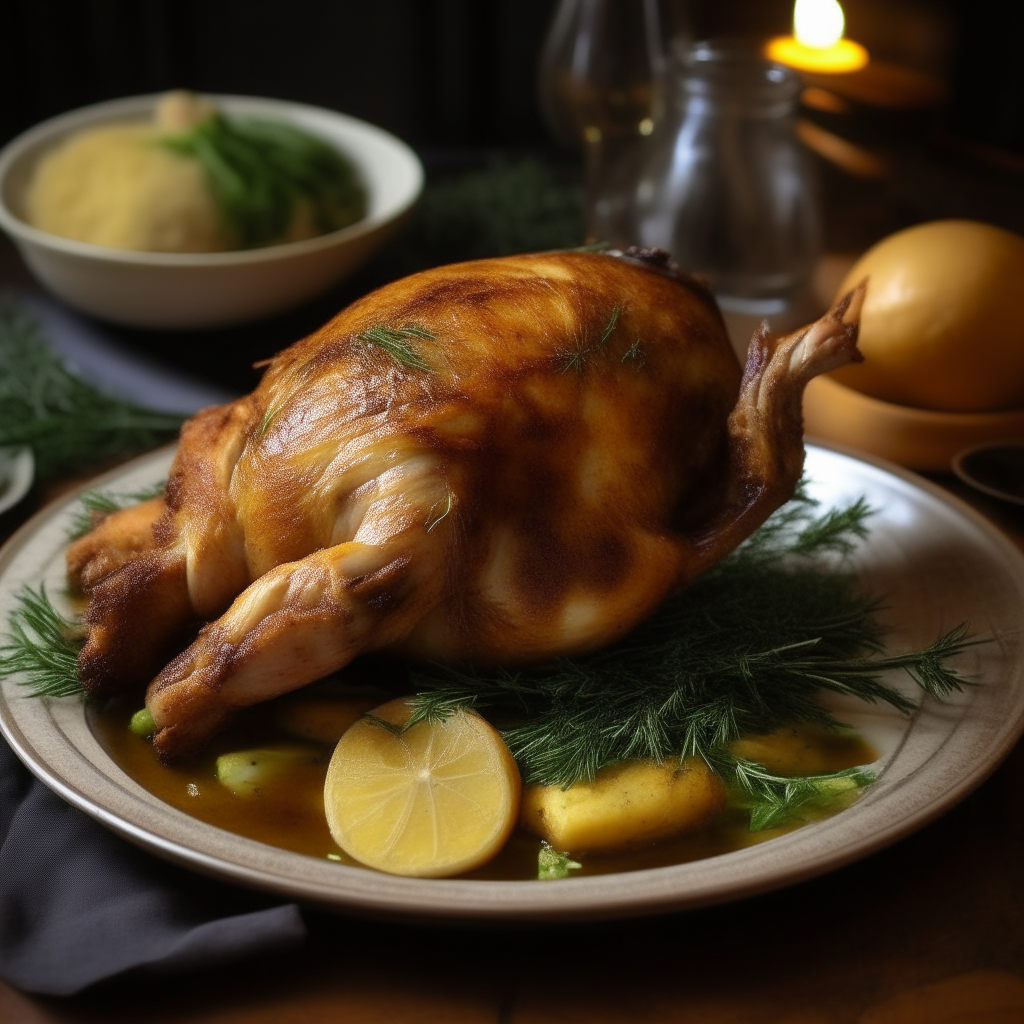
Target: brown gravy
x=288, y=812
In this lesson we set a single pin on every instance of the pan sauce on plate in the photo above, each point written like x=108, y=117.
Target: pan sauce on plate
x=289, y=813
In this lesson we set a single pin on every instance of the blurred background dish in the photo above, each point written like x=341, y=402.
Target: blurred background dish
x=920, y=439
x=181, y=291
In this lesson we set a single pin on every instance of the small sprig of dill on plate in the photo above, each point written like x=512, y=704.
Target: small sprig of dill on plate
x=772, y=799
x=747, y=648
x=42, y=647
x=69, y=424
x=97, y=505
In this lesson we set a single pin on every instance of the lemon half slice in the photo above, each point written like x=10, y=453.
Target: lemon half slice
x=434, y=800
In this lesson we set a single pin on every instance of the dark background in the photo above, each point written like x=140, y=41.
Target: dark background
x=457, y=79
x=445, y=74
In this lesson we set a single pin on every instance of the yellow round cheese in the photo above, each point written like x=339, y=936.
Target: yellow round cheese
x=943, y=321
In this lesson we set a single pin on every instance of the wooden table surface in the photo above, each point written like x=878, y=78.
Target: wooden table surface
x=930, y=931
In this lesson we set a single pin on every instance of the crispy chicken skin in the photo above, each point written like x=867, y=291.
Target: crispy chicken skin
x=541, y=449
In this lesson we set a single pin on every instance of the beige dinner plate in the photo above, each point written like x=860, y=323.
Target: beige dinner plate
x=935, y=560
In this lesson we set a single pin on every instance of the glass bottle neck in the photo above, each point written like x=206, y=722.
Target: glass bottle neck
x=736, y=80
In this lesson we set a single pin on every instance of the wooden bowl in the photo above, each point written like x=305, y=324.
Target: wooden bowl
x=919, y=439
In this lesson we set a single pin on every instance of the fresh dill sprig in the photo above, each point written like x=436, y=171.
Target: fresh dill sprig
x=397, y=343
x=260, y=171
x=43, y=646
x=68, y=424
x=609, y=327
x=576, y=357
x=97, y=505
x=773, y=799
x=635, y=354
x=747, y=648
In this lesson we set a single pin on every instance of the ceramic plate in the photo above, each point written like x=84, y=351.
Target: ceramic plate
x=935, y=560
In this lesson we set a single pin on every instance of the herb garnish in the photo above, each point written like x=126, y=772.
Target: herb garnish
x=398, y=343
x=97, y=505
x=261, y=170
x=773, y=799
x=744, y=650
x=42, y=645
x=576, y=357
x=68, y=424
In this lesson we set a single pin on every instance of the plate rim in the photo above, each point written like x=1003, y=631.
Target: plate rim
x=627, y=894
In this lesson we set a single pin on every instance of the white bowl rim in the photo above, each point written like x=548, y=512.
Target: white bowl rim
x=114, y=109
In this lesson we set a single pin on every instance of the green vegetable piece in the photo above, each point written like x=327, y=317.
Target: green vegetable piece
x=552, y=863
x=774, y=800
x=142, y=723
x=260, y=171
x=246, y=772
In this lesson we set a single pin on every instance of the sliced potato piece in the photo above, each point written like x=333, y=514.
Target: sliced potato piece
x=627, y=804
x=806, y=749
x=246, y=772
x=434, y=800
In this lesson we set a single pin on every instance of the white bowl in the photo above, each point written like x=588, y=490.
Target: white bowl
x=174, y=291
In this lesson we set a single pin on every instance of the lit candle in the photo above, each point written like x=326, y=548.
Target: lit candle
x=818, y=44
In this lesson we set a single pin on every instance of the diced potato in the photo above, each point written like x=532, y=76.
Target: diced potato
x=626, y=805
x=245, y=772
x=323, y=719
x=807, y=749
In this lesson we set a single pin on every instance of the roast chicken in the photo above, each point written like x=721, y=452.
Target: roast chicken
x=493, y=462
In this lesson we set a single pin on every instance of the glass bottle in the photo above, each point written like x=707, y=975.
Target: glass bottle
x=600, y=79
x=722, y=184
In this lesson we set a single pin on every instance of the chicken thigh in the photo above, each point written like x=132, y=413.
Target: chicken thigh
x=493, y=462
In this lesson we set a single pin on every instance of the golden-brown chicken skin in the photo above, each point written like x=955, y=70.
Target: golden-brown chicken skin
x=496, y=461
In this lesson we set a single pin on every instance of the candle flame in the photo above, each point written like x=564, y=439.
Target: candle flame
x=818, y=23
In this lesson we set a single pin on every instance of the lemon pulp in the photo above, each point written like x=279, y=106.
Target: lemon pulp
x=433, y=800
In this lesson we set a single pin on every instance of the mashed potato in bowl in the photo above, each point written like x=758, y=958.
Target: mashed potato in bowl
x=113, y=186
x=169, y=186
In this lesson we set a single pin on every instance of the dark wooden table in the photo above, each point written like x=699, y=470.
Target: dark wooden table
x=930, y=931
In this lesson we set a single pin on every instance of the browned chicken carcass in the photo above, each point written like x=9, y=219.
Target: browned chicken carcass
x=497, y=461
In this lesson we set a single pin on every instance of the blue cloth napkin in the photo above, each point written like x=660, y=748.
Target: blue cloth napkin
x=79, y=905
